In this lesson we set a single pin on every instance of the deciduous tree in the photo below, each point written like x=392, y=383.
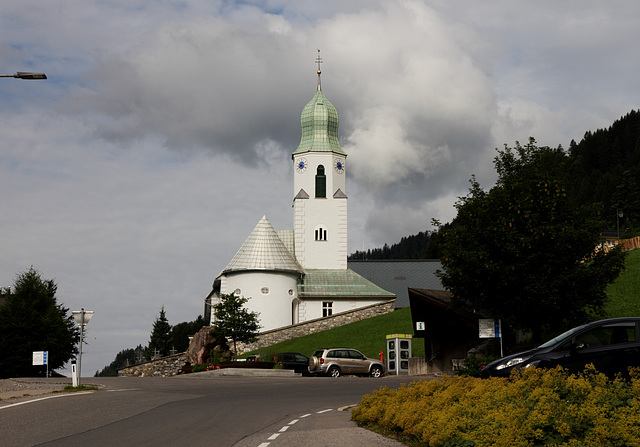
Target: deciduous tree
x=522, y=251
x=181, y=332
x=234, y=321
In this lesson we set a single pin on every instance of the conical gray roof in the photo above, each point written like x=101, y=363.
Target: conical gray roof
x=263, y=250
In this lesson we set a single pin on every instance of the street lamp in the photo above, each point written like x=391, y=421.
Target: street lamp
x=24, y=75
x=82, y=317
x=618, y=216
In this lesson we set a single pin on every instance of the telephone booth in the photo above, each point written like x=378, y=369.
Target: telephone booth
x=398, y=353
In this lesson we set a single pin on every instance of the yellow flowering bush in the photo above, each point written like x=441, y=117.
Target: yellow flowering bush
x=533, y=407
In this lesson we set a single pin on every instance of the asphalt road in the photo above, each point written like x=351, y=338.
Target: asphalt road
x=184, y=410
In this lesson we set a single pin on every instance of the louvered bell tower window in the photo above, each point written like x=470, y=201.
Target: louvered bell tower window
x=321, y=234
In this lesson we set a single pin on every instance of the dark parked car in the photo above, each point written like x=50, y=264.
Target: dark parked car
x=611, y=345
x=294, y=360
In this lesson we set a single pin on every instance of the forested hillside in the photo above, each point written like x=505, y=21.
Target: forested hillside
x=419, y=246
x=604, y=167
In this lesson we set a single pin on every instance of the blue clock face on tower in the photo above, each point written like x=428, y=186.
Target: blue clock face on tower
x=339, y=165
x=301, y=165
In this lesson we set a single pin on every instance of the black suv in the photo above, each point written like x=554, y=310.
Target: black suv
x=293, y=360
x=612, y=346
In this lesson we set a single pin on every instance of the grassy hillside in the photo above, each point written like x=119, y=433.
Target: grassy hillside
x=369, y=335
x=624, y=294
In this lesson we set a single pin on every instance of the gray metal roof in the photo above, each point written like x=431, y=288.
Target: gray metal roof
x=264, y=250
x=398, y=275
x=339, y=283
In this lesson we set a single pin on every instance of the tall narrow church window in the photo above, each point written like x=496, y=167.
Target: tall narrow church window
x=327, y=308
x=321, y=183
x=295, y=311
x=321, y=234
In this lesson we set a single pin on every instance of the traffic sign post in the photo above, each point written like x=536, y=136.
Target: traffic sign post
x=41, y=358
x=491, y=329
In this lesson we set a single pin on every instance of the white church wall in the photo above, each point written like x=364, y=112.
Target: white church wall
x=329, y=215
x=270, y=294
x=314, y=308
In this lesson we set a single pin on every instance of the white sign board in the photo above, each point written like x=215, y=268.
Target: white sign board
x=419, y=325
x=40, y=358
x=489, y=328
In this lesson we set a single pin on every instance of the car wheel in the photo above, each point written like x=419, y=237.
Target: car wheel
x=334, y=371
x=313, y=363
x=376, y=371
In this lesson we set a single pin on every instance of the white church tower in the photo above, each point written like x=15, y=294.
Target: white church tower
x=299, y=275
x=320, y=200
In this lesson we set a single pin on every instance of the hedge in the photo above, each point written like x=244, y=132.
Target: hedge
x=531, y=408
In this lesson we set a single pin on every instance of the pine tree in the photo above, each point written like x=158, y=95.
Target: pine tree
x=32, y=320
x=160, y=341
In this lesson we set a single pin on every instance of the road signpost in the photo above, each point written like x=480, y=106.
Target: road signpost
x=41, y=358
x=491, y=329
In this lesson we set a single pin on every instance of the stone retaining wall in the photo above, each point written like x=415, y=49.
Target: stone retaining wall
x=162, y=367
x=318, y=325
x=171, y=365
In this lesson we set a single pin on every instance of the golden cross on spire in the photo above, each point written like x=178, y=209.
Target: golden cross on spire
x=319, y=61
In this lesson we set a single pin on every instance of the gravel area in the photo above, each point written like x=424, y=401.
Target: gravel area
x=17, y=385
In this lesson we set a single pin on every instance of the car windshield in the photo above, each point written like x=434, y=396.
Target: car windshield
x=560, y=338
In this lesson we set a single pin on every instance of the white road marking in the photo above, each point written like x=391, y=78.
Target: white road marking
x=124, y=389
x=286, y=427
x=45, y=398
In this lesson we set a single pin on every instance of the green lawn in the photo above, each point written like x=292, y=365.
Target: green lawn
x=369, y=335
x=624, y=294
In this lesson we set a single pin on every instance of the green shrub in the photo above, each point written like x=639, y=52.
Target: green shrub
x=474, y=364
x=531, y=408
x=199, y=367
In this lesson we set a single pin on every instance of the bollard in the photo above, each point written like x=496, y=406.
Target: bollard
x=74, y=374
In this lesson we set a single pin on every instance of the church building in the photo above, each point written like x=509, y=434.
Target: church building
x=298, y=275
